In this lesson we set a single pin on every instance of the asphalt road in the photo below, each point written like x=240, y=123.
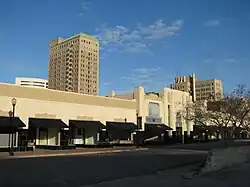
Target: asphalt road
x=77, y=171
x=202, y=146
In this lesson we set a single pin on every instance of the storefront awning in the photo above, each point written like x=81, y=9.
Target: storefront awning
x=46, y=123
x=6, y=122
x=113, y=125
x=87, y=124
x=157, y=126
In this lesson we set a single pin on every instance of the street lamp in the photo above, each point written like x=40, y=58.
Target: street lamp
x=10, y=129
x=138, y=139
x=12, y=115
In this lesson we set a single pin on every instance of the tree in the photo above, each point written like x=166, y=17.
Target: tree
x=226, y=114
x=246, y=125
x=240, y=102
x=195, y=112
x=230, y=112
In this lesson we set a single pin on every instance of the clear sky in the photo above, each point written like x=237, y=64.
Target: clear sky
x=143, y=42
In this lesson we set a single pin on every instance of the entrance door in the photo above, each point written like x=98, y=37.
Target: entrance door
x=23, y=140
x=103, y=136
x=80, y=136
x=43, y=136
x=64, y=137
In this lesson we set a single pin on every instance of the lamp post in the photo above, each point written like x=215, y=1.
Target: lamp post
x=137, y=135
x=10, y=130
x=12, y=115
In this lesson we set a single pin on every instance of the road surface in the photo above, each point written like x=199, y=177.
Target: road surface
x=76, y=171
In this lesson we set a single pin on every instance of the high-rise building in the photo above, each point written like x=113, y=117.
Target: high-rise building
x=199, y=89
x=74, y=64
x=31, y=82
x=209, y=89
x=186, y=84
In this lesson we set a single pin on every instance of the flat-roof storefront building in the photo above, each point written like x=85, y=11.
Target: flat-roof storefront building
x=47, y=118
x=56, y=118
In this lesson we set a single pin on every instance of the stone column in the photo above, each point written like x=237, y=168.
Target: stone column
x=59, y=138
x=140, y=102
x=37, y=137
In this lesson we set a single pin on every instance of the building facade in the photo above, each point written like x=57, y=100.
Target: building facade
x=186, y=84
x=31, y=82
x=199, y=89
x=209, y=89
x=74, y=64
x=49, y=118
x=157, y=109
x=52, y=117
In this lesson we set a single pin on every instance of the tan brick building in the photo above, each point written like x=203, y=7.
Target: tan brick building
x=206, y=89
x=74, y=64
x=199, y=89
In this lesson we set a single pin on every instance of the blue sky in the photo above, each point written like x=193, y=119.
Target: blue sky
x=143, y=42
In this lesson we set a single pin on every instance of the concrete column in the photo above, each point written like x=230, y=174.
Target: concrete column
x=165, y=106
x=59, y=138
x=98, y=137
x=140, y=101
x=16, y=143
x=132, y=137
x=172, y=112
x=37, y=137
x=166, y=102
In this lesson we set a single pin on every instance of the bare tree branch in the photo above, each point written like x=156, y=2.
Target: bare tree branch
x=229, y=113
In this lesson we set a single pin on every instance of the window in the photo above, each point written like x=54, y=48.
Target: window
x=79, y=132
x=154, y=109
x=178, y=119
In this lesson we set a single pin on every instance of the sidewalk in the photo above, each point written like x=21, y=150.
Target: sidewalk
x=78, y=151
x=238, y=175
x=231, y=177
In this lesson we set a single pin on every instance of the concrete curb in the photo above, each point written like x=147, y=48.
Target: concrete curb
x=73, y=154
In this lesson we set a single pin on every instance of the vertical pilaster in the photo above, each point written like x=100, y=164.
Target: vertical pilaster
x=59, y=138
x=140, y=101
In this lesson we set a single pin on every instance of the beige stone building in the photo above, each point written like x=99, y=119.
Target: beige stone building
x=199, y=89
x=51, y=118
x=50, y=115
x=74, y=64
x=158, y=109
x=206, y=89
x=186, y=84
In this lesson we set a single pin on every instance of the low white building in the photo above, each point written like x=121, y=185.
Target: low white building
x=31, y=82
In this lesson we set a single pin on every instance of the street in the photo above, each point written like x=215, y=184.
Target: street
x=93, y=169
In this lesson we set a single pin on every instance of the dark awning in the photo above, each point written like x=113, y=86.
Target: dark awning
x=46, y=123
x=87, y=124
x=113, y=125
x=157, y=126
x=6, y=122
